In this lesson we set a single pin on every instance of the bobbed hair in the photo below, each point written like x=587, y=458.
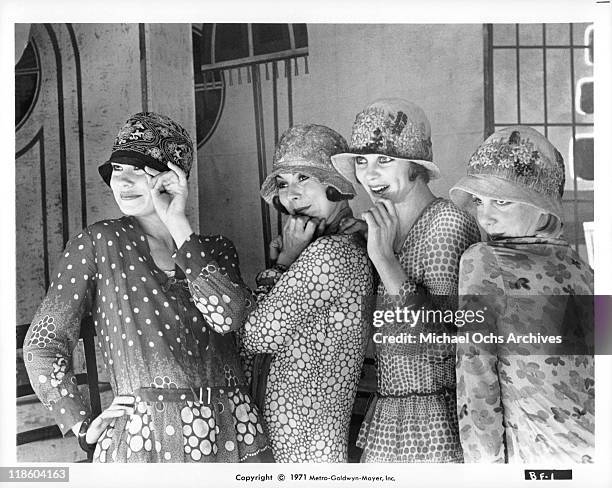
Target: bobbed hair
x=418, y=171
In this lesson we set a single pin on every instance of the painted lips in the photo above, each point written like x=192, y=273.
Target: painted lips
x=379, y=190
x=300, y=211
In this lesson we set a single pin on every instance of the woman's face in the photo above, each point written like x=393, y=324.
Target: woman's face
x=501, y=218
x=305, y=195
x=130, y=189
x=384, y=177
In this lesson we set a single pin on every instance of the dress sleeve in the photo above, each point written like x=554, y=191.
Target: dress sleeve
x=265, y=281
x=450, y=234
x=55, y=329
x=313, y=281
x=212, y=270
x=479, y=402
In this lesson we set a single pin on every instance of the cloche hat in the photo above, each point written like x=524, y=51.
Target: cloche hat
x=392, y=127
x=516, y=164
x=307, y=149
x=150, y=139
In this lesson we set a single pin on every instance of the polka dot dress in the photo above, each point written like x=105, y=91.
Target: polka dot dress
x=413, y=417
x=312, y=322
x=158, y=343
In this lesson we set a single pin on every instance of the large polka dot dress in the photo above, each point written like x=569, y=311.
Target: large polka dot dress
x=173, y=354
x=312, y=321
x=413, y=417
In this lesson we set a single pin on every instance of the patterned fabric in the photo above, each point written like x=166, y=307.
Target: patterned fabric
x=399, y=133
x=307, y=149
x=521, y=155
x=515, y=406
x=413, y=417
x=152, y=336
x=150, y=139
x=313, y=322
x=257, y=366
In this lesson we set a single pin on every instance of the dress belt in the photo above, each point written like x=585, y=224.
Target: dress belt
x=198, y=394
x=439, y=391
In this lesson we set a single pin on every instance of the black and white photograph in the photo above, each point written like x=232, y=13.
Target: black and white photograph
x=351, y=245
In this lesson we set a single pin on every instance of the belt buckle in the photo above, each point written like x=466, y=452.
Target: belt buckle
x=208, y=393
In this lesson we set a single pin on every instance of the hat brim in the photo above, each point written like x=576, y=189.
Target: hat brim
x=327, y=177
x=345, y=165
x=497, y=188
x=129, y=157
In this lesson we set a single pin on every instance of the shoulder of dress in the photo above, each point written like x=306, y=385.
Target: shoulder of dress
x=116, y=230
x=447, y=212
x=212, y=238
x=109, y=225
x=335, y=242
x=480, y=271
x=479, y=251
x=336, y=249
x=343, y=258
x=218, y=241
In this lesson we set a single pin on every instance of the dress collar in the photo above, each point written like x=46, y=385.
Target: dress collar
x=399, y=246
x=334, y=225
x=519, y=241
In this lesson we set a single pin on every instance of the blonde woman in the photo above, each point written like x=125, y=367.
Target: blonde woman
x=522, y=403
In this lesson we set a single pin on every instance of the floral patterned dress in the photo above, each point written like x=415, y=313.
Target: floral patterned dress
x=521, y=404
x=312, y=320
x=172, y=355
x=413, y=416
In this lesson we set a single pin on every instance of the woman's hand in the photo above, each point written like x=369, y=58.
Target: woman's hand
x=383, y=235
x=275, y=247
x=122, y=405
x=298, y=232
x=383, y=227
x=168, y=191
x=351, y=225
x=169, y=194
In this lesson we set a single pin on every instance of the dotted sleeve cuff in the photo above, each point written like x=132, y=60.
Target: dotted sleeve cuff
x=211, y=267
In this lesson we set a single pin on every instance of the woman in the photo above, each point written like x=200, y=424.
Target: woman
x=311, y=317
x=178, y=383
x=415, y=241
x=522, y=403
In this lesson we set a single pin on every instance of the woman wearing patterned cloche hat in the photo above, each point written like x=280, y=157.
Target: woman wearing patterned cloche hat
x=415, y=241
x=524, y=403
x=309, y=313
x=180, y=393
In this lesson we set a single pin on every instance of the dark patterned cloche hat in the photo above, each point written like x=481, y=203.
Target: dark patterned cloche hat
x=150, y=139
x=516, y=164
x=391, y=127
x=307, y=149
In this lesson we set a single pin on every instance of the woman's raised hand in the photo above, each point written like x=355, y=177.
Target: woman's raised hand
x=383, y=227
x=122, y=405
x=275, y=247
x=168, y=192
x=298, y=232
